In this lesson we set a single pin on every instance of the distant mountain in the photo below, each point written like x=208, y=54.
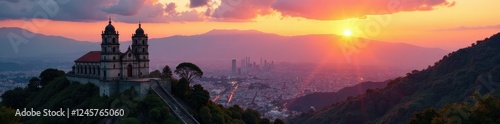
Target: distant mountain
x=320, y=48
x=324, y=99
x=224, y=45
x=20, y=43
x=452, y=79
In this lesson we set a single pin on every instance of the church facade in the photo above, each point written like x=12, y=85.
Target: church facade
x=112, y=70
x=110, y=63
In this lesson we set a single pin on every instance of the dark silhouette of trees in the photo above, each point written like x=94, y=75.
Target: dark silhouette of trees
x=15, y=98
x=265, y=121
x=199, y=97
x=188, y=71
x=7, y=116
x=251, y=116
x=166, y=72
x=205, y=115
x=156, y=74
x=50, y=74
x=34, y=84
x=278, y=121
x=183, y=89
x=483, y=111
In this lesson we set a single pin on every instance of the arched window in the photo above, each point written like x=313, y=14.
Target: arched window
x=143, y=43
x=114, y=49
x=114, y=58
x=114, y=66
x=114, y=40
x=143, y=50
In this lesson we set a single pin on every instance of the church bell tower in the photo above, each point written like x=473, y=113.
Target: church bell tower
x=110, y=53
x=140, y=49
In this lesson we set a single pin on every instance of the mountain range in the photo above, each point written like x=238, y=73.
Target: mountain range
x=224, y=45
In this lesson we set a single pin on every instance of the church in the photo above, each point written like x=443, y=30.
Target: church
x=112, y=70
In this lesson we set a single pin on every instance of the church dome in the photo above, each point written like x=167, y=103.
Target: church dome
x=110, y=28
x=139, y=30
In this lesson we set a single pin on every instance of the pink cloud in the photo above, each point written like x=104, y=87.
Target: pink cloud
x=242, y=10
x=337, y=9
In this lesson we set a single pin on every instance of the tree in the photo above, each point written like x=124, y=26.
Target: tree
x=278, y=121
x=199, y=97
x=188, y=71
x=205, y=115
x=34, y=84
x=166, y=72
x=15, y=98
x=183, y=89
x=251, y=116
x=156, y=74
x=50, y=74
x=7, y=116
x=265, y=121
x=130, y=120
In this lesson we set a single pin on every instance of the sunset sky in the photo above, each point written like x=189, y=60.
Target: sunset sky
x=447, y=24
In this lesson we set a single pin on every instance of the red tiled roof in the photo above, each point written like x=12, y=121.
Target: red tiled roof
x=92, y=56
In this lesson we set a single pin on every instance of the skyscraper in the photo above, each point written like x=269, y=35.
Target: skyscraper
x=233, y=67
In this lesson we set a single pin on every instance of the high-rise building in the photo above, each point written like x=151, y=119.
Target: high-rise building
x=233, y=67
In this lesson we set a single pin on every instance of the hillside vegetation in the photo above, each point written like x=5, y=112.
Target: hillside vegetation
x=454, y=78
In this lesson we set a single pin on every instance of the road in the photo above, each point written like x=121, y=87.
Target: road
x=179, y=111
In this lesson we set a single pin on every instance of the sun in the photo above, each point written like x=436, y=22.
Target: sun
x=347, y=32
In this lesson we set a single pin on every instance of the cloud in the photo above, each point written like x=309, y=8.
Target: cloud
x=133, y=11
x=126, y=7
x=342, y=9
x=471, y=28
x=197, y=3
x=242, y=9
x=130, y=11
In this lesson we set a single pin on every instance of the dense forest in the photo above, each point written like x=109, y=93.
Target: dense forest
x=453, y=79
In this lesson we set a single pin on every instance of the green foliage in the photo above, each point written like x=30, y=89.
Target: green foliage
x=183, y=89
x=50, y=74
x=34, y=84
x=15, y=98
x=130, y=120
x=484, y=111
x=451, y=79
x=205, y=115
x=60, y=93
x=199, y=97
x=251, y=116
x=188, y=71
x=7, y=116
x=424, y=117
